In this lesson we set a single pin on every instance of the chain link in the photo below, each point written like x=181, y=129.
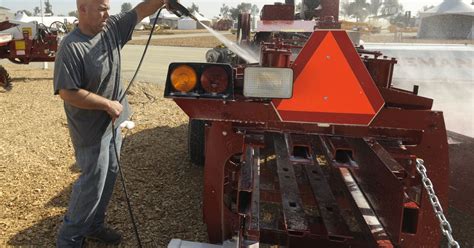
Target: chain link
x=443, y=222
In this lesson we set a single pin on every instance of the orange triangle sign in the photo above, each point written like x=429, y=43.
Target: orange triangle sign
x=331, y=84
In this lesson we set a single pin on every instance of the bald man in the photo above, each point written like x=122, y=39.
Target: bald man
x=87, y=77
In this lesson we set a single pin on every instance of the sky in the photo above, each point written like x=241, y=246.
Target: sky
x=209, y=8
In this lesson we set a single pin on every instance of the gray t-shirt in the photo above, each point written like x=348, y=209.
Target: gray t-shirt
x=93, y=64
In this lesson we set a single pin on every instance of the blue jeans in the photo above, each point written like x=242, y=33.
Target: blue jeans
x=91, y=193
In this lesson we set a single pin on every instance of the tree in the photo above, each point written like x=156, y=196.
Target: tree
x=37, y=11
x=225, y=11
x=375, y=6
x=48, y=8
x=72, y=13
x=193, y=8
x=391, y=8
x=24, y=11
x=345, y=9
x=241, y=8
x=254, y=10
x=298, y=7
x=309, y=8
x=358, y=10
x=126, y=7
x=427, y=7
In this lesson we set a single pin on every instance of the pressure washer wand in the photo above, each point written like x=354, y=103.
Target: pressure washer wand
x=179, y=10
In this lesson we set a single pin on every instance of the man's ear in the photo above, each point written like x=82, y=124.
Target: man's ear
x=82, y=8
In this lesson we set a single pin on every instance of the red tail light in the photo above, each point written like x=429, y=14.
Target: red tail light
x=214, y=80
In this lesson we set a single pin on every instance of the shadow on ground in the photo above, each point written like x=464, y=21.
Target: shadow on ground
x=44, y=232
x=461, y=189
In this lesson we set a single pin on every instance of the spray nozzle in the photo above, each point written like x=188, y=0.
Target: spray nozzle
x=179, y=9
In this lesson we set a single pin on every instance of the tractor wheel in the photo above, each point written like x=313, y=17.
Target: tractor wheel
x=196, y=146
x=5, y=80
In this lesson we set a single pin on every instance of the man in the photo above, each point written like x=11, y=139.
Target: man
x=87, y=77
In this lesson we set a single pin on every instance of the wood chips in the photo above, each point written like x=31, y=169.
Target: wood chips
x=37, y=167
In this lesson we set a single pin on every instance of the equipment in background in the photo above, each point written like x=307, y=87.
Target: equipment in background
x=22, y=43
x=312, y=146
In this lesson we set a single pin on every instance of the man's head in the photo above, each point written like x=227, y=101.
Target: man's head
x=93, y=15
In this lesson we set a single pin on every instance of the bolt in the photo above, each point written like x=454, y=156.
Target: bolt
x=325, y=98
x=224, y=133
x=328, y=57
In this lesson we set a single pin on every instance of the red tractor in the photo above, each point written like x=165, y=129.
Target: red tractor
x=22, y=43
x=312, y=146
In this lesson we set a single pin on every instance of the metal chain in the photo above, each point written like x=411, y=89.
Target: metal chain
x=443, y=222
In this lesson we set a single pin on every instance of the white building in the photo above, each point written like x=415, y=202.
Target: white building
x=187, y=23
x=5, y=14
x=47, y=20
x=202, y=19
x=452, y=19
x=166, y=18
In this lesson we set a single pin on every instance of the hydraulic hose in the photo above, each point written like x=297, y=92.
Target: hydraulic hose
x=114, y=134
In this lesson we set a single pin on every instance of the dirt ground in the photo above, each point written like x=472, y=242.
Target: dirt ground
x=37, y=167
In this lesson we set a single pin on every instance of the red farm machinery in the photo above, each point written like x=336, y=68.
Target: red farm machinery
x=311, y=145
x=22, y=43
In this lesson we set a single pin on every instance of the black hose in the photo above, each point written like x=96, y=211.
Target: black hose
x=114, y=135
x=143, y=56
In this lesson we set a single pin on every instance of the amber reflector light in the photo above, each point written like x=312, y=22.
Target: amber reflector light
x=183, y=78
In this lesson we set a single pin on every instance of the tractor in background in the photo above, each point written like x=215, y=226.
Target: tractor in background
x=22, y=43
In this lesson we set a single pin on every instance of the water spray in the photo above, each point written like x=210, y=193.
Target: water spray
x=179, y=10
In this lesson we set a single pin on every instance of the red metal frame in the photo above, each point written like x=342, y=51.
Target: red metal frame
x=221, y=144
x=278, y=180
x=423, y=133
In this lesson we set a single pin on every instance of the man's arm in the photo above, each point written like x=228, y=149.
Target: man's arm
x=87, y=100
x=148, y=7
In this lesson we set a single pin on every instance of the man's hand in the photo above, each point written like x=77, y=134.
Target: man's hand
x=114, y=109
x=87, y=100
x=148, y=7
